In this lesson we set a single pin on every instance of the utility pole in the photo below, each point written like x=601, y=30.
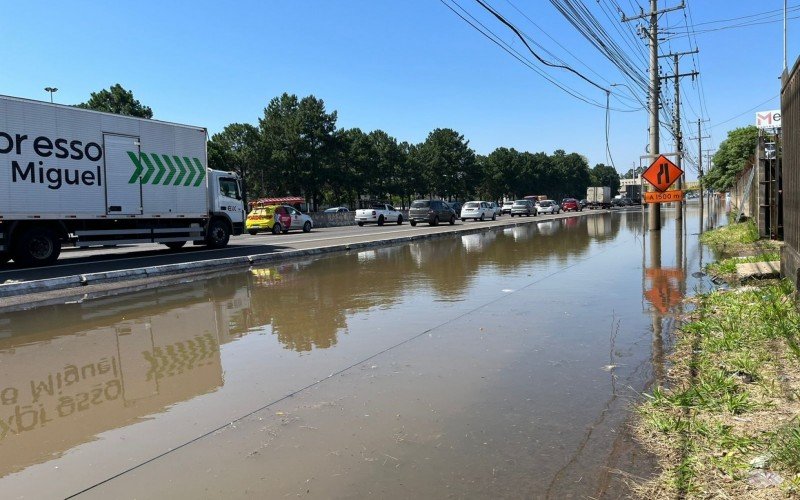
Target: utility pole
x=700, y=138
x=653, y=209
x=677, y=117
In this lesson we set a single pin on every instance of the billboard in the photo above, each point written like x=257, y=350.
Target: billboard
x=768, y=119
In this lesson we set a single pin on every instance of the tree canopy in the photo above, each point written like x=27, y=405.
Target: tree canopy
x=733, y=155
x=117, y=100
x=605, y=175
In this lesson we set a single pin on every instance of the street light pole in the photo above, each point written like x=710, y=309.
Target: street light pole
x=52, y=90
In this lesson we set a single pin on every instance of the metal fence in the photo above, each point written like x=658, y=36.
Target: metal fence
x=790, y=173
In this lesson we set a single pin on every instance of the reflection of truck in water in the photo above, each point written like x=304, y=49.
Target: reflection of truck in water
x=63, y=381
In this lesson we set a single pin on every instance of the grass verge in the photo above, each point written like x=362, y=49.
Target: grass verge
x=737, y=239
x=726, y=422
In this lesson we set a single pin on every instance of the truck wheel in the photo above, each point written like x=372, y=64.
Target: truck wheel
x=37, y=246
x=276, y=229
x=361, y=224
x=380, y=220
x=413, y=223
x=218, y=234
x=399, y=220
x=253, y=232
x=307, y=227
x=175, y=245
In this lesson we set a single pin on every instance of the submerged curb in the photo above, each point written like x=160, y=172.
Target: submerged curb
x=236, y=263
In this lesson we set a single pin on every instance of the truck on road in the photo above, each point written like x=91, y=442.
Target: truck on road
x=378, y=213
x=598, y=197
x=87, y=178
x=634, y=193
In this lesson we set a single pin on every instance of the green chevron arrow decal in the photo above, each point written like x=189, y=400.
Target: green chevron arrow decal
x=201, y=170
x=181, y=169
x=159, y=168
x=138, y=171
x=171, y=168
x=155, y=169
x=192, y=171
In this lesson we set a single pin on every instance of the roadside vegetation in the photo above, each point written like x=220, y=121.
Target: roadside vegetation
x=726, y=424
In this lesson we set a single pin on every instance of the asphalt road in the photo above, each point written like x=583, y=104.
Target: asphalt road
x=75, y=261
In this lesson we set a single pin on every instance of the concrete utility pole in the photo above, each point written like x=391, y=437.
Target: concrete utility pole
x=677, y=118
x=653, y=209
x=700, y=138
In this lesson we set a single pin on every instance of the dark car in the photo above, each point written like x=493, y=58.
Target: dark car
x=621, y=202
x=456, y=206
x=571, y=204
x=431, y=211
x=584, y=202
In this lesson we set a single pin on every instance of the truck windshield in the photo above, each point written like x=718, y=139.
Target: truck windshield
x=229, y=187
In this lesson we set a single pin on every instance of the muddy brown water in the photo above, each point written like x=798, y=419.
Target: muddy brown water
x=494, y=365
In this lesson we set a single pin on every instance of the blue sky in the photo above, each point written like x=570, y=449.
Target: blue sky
x=404, y=66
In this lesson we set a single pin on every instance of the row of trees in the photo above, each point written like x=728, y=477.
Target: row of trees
x=734, y=154
x=296, y=148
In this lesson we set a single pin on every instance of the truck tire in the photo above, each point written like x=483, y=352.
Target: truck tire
x=218, y=234
x=175, y=245
x=307, y=227
x=380, y=220
x=276, y=229
x=38, y=246
x=399, y=220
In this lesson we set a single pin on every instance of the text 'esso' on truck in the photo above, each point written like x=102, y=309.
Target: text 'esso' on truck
x=86, y=178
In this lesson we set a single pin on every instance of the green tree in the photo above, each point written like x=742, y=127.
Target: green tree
x=604, y=175
x=236, y=149
x=571, y=175
x=502, y=171
x=117, y=100
x=448, y=163
x=732, y=157
x=299, y=144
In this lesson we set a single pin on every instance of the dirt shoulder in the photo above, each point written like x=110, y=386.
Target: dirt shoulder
x=725, y=424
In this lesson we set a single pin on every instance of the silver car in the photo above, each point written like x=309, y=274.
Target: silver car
x=523, y=207
x=549, y=207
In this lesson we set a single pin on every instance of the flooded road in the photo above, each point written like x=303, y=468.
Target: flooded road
x=489, y=365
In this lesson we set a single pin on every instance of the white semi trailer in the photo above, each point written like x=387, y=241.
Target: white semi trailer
x=86, y=178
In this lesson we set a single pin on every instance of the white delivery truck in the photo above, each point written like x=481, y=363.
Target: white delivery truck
x=86, y=178
x=598, y=197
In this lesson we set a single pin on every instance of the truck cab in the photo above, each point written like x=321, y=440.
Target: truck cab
x=225, y=200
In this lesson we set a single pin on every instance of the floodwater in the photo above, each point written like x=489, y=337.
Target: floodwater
x=494, y=365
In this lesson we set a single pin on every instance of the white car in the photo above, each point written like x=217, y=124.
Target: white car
x=478, y=210
x=548, y=207
x=496, y=208
x=507, y=207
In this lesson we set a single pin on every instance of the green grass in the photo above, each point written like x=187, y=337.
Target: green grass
x=728, y=266
x=714, y=417
x=735, y=233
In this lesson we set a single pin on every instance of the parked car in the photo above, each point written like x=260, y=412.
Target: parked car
x=571, y=205
x=622, y=201
x=456, y=206
x=507, y=207
x=549, y=207
x=379, y=213
x=336, y=210
x=277, y=219
x=523, y=207
x=478, y=210
x=431, y=211
x=496, y=208
x=583, y=203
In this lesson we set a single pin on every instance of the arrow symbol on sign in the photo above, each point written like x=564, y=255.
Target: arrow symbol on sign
x=663, y=170
x=192, y=172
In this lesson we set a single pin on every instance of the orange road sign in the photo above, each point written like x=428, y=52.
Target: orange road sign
x=662, y=173
x=665, y=197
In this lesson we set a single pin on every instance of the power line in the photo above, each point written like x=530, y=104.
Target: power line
x=745, y=112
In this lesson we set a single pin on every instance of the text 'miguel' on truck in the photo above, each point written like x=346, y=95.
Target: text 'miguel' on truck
x=82, y=177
